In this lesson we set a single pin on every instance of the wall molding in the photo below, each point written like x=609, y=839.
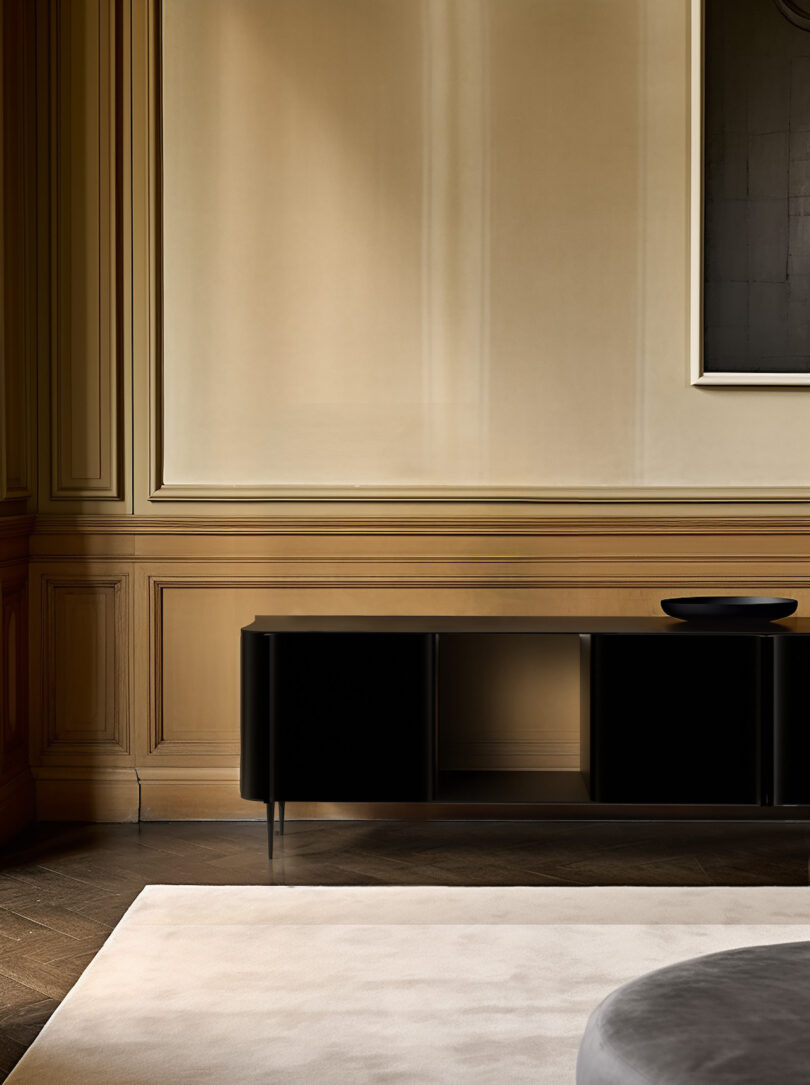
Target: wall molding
x=145, y=209
x=158, y=743
x=470, y=495
x=486, y=583
x=17, y=254
x=401, y=525
x=107, y=736
x=85, y=403
x=175, y=572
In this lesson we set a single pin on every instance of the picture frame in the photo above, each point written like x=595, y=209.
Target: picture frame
x=726, y=344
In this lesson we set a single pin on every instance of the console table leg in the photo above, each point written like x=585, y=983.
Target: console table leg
x=281, y=804
x=271, y=818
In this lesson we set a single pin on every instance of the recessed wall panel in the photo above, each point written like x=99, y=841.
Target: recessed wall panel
x=84, y=380
x=85, y=669
x=400, y=242
x=17, y=237
x=532, y=222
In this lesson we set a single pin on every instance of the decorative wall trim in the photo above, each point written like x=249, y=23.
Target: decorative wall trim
x=88, y=721
x=148, y=339
x=664, y=582
x=85, y=366
x=171, y=572
x=541, y=495
x=17, y=252
x=143, y=210
x=406, y=525
x=158, y=742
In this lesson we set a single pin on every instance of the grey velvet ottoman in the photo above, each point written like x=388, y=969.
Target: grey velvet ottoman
x=742, y=1016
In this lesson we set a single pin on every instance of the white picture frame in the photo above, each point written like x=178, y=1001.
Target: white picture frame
x=699, y=376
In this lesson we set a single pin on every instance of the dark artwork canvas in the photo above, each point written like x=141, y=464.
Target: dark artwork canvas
x=757, y=187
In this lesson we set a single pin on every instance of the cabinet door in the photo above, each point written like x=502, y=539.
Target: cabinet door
x=792, y=720
x=256, y=766
x=675, y=718
x=353, y=717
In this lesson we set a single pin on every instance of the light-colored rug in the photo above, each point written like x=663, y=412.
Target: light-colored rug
x=318, y=985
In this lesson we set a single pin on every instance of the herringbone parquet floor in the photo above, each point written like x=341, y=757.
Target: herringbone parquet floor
x=64, y=887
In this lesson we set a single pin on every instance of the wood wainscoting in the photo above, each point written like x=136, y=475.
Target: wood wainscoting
x=135, y=625
x=16, y=786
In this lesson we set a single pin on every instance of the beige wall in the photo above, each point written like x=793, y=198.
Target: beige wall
x=401, y=242
x=551, y=356
x=440, y=244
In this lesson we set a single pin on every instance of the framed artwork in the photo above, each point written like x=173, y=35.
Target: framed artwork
x=751, y=192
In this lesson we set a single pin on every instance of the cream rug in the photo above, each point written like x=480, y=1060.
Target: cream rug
x=374, y=984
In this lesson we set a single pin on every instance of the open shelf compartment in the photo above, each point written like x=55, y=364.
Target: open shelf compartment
x=512, y=718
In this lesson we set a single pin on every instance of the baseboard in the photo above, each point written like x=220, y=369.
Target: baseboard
x=212, y=794
x=199, y=794
x=17, y=807
x=86, y=794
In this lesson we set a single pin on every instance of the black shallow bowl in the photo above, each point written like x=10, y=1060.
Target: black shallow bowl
x=747, y=608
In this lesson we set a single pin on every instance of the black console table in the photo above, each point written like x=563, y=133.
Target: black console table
x=673, y=714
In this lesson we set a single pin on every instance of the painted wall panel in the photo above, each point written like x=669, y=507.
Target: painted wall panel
x=85, y=365
x=189, y=586
x=531, y=222
x=16, y=785
x=17, y=267
x=84, y=665
x=421, y=265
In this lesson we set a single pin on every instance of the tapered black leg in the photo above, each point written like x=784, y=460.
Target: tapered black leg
x=271, y=818
x=281, y=805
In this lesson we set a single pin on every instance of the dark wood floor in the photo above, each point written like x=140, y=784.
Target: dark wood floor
x=64, y=887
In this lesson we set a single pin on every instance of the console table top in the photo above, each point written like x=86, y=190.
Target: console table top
x=374, y=623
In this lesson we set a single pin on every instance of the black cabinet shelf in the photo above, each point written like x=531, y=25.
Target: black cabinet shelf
x=512, y=786
x=348, y=709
